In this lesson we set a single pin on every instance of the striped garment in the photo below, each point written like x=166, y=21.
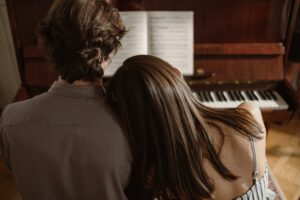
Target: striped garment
x=259, y=190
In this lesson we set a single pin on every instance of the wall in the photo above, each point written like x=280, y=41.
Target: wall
x=9, y=75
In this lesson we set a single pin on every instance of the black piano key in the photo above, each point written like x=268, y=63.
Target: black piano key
x=223, y=96
x=272, y=95
x=200, y=96
x=232, y=98
x=205, y=96
x=238, y=95
x=254, y=95
x=267, y=95
x=218, y=96
x=241, y=95
x=235, y=96
x=261, y=94
x=209, y=97
x=249, y=96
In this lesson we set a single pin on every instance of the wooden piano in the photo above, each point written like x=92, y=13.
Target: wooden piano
x=241, y=50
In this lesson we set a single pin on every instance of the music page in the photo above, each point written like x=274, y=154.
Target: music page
x=171, y=37
x=134, y=42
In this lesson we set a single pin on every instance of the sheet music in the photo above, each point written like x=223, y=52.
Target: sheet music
x=134, y=42
x=165, y=34
x=172, y=38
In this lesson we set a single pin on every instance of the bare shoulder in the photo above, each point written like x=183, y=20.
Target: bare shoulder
x=255, y=113
x=261, y=143
x=237, y=154
x=252, y=108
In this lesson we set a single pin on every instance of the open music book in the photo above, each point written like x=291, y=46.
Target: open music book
x=165, y=34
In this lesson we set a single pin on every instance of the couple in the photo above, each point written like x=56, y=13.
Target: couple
x=146, y=137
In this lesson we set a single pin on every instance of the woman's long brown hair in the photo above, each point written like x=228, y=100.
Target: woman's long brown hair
x=167, y=131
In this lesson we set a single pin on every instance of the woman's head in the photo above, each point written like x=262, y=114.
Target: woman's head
x=156, y=107
x=147, y=75
x=146, y=86
x=79, y=35
x=167, y=130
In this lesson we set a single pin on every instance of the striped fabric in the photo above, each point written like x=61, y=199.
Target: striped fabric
x=259, y=190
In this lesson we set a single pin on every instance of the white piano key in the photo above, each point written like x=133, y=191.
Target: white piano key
x=272, y=103
x=266, y=104
x=282, y=105
x=216, y=103
x=243, y=93
x=256, y=102
x=229, y=103
x=262, y=103
x=278, y=104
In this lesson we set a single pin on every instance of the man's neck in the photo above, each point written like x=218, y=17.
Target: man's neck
x=79, y=82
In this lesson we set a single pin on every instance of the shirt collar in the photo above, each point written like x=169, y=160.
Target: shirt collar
x=70, y=90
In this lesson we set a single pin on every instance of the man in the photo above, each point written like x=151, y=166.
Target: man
x=66, y=143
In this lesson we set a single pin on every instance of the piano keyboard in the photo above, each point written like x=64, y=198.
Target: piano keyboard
x=264, y=99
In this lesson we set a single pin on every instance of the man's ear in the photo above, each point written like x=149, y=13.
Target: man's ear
x=104, y=64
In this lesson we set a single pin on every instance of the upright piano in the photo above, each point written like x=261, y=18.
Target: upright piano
x=240, y=50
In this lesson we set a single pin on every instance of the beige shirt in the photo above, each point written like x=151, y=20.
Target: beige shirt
x=65, y=144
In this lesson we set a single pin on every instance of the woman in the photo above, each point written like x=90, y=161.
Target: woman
x=182, y=149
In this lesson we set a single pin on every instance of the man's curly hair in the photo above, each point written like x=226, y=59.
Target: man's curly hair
x=78, y=35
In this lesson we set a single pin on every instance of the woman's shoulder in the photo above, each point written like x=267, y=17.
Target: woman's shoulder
x=255, y=113
x=260, y=144
x=238, y=145
x=237, y=154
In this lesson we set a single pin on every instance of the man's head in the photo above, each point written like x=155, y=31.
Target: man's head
x=79, y=36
